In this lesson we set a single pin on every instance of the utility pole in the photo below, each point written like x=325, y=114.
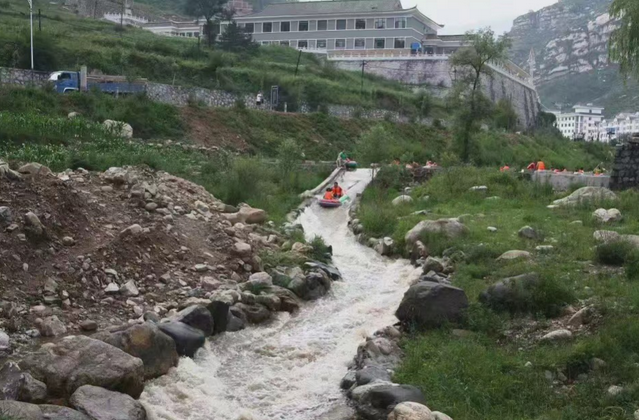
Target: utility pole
x=31, y=28
x=300, y=52
x=39, y=21
x=362, y=75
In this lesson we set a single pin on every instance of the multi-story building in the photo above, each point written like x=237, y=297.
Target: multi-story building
x=623, y=124
x=584, y=123
x=325, y=26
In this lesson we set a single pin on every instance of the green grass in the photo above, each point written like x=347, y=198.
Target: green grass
x=138, y=53
x=484, y=375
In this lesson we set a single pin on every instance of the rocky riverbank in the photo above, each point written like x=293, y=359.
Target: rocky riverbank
x=153, y=262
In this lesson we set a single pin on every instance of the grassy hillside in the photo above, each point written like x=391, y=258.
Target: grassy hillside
x=67, y=42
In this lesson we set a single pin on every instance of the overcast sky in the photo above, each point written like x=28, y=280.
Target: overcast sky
x=459, y=16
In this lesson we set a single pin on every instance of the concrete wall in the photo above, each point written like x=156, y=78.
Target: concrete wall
x=438, y=73
x=625, y=173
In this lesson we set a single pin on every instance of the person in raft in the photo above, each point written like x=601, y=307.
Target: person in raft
x=540, y=166
x=337, y=191
x=329, y=194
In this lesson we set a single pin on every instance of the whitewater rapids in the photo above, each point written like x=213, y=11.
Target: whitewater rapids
x=291, y=367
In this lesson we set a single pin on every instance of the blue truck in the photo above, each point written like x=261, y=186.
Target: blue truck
x=70, y=81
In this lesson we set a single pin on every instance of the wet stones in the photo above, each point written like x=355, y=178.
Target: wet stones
x=102, y=404
x=188, y=339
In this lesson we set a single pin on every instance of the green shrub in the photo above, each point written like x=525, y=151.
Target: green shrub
x=320, y=250
x=615, y=253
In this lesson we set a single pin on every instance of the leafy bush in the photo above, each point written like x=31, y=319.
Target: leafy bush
x=320, y=250
x=615, y=253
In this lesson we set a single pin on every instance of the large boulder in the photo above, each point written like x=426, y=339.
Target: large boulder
x=451, y=228
x=58, y=412
x=78, y=360
x=509, y=293
x=251, y=215
x=156, y=349
x=196, y=316
x=586, y=195
x=608, y=236
x=102, y=404
x=377, y=399
x=402, y=199
x=34, y=169
x=330, y=270
x=289, y=302
x=253, y=313
x=33, y=390
x=410, y=411
x=11, y=381
x=430, y=305
x=119, y=128
x=14, y=410
x=219, y=311
x=51, y=326
x=370, y=374
x=606, y=216
x=384, y=246
x=313, y=286
x=188, y=339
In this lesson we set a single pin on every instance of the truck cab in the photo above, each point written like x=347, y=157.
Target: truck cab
x=65, y=81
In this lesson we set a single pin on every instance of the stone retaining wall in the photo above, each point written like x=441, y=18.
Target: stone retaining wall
x=625, y=173
x=183, y=96
x=563, y=181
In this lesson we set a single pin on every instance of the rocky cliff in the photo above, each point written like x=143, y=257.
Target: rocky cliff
x=565, y=45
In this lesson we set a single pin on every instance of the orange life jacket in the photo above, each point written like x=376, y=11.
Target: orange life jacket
x=337, y=191
x=328, y=195
x=540, y=166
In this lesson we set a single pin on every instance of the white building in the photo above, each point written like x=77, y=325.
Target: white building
x=584, y=123
x=189, y=29
x=625, y=123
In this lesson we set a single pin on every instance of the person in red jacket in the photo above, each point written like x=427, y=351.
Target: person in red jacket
x=531, y=166
x=337, y=190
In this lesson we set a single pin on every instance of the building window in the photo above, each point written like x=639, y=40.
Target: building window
x=321, y=25
x=339, y=44
x=379, y=43
x=341, y=24
x=379, y=23
x=399, y=42
x=302, y=44
x=284, y=26
x=400, y=23
x=285, y=43
x=359, y=43
x=265, y=42
x=267, y=27
x=249, y=28
x=360, y=24
x=321, y=43
x=303, y=26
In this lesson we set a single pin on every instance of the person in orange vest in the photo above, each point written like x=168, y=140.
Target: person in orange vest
x=337, y=191
x=531, y=166
x=540, y=166
x=329, y=194
x=504, y=168
x=580, y=171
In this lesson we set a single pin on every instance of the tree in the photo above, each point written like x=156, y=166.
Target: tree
x=236, y=39
x=471, y=62
x=207, y=9
x=624, y=41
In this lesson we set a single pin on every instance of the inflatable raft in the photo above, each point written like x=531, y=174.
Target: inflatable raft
x=329, y=203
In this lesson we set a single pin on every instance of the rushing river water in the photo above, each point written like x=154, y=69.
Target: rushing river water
x=290, y=368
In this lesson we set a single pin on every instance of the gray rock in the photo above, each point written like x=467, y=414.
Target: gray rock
x=607, y=216
x=6, y=217
x=134, y=229
x=430, y=305
x=102, y=404
x=384, y=246
x=433, y=264
x=78, y=360
x=5, y=343
x=234, y=322
x=348, y=380
x=68, y=241
x=376, y=400
x=261, y=279
x=582, y=316
x=505, y=293
x=451, y=228
x=242, y=249
x=151, y=206
x=32, y=390
x=14, y=410
x=492, y=229
x=188, y=339
x=34, y=169
x=410, y=411
x=370, y=374
x=88, y=325
x=33, y=224
x=513, y=255
x=51, y=326
x=586, y=195
x=254, y=313
x=402, y=199
x=129, y=289
x=330, y=270
x=544, y=249
x=289, y=302
x=529, y=232
x=557, y=336
x=58, y=412
x=479, y=188
x=147, y=342
x=311, y=287
x=437, y=415
x=251, y=215
x=219, y=311
x=196, y=316
x=615, y=390
x=112, y=289
x=11, y=381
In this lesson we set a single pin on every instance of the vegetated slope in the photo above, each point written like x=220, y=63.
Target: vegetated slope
x=569, y=40
x=67, y=42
